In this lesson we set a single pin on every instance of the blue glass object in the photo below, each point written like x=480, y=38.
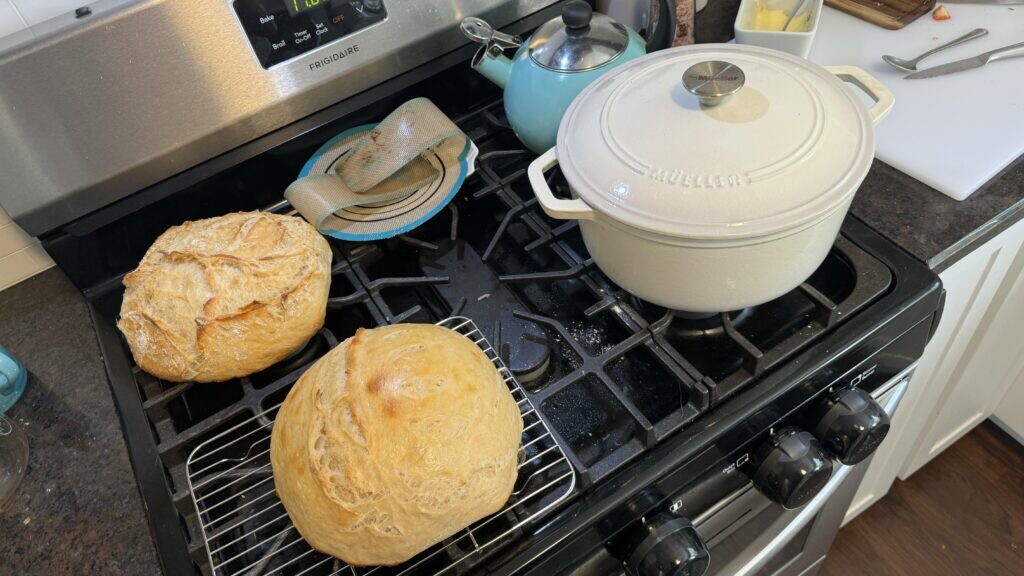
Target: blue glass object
x=13, y=377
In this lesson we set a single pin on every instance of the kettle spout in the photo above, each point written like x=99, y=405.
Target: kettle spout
x=494, y=65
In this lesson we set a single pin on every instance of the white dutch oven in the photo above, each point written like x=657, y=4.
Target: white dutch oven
x=723, y=193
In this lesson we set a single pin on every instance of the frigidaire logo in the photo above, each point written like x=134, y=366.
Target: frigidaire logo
x=334, y=57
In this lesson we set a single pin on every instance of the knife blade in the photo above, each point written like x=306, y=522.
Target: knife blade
x=978, y=61
x=951, y=68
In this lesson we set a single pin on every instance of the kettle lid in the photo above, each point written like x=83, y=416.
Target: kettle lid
x=579, y=40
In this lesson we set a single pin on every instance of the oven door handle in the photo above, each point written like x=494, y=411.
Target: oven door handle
x=779, y=534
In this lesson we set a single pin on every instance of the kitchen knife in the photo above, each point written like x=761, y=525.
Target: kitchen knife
x=978, y=61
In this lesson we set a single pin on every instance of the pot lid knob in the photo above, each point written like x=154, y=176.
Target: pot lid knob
x=580, y=40
x=713, y=81
x=576, y=16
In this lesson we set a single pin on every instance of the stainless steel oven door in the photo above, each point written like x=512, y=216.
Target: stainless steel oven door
x=748, y=535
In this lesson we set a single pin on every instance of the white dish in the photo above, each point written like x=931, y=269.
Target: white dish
x=710, y=209
x=796, y=43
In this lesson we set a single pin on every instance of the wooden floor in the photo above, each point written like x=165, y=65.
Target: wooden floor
x=962, y=514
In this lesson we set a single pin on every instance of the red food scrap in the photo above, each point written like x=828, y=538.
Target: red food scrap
x=941, y=13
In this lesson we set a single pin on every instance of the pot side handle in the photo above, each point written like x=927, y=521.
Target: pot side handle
x=883, y=98
x=574, y=209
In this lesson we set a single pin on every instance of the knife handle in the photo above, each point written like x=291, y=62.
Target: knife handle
x=1011, y=51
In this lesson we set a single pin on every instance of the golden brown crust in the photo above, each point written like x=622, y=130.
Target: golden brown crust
x=225, y=297
x=396, y=439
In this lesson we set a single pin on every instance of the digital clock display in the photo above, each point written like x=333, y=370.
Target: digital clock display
x=300, y=6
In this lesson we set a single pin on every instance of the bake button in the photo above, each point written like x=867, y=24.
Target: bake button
x=268, y=24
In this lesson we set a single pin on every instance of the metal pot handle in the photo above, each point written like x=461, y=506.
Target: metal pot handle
x=883, y=98
x=574, y=209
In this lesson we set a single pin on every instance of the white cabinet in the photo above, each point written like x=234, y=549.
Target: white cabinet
x=966, y=368
x=1009, y=413
x=987, y=363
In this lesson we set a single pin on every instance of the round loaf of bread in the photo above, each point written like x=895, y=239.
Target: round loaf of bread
x=398, y=438
x=225, y=297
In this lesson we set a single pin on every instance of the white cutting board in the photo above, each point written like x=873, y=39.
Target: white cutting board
x=952, y=132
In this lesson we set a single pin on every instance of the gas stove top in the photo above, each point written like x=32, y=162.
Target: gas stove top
x=631, y=391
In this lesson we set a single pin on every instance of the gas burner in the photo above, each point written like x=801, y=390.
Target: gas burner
x=687, y=326
x=474, y=290
x=694, y=315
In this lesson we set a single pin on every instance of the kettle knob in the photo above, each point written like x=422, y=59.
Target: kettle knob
x=576, y=15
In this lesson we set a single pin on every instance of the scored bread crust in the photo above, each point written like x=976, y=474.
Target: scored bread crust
x=398, y=438
x=224, y=297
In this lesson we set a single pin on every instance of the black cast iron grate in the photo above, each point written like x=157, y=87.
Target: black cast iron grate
x=611, y=374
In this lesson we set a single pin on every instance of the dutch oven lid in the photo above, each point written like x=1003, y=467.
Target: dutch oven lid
x=777, y=143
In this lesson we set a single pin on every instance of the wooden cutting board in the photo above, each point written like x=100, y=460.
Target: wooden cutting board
x=889, y=14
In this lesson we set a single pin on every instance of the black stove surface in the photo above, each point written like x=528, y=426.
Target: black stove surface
x=612, y=375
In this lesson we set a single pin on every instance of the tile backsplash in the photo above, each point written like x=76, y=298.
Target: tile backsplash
x=17, y=15
x=21, y=256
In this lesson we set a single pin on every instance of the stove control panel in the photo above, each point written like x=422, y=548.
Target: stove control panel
x=283, y=29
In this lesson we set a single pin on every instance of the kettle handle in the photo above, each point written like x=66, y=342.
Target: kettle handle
x=884, y=100
x=574, y=209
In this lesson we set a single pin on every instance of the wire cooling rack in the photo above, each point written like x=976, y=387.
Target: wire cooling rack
x=247, y=531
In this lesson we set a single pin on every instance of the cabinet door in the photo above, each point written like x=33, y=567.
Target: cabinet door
x=969, y=289
x=984, y=357
x=1009, y=414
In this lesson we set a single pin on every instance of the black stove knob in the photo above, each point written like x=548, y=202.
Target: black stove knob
x=790, y=468
x=667, y=545
x=851, y=425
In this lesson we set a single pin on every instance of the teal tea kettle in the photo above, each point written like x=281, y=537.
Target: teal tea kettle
x=547, y=71
x=12, y=380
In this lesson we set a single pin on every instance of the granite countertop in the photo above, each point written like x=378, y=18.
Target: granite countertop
x=78, y=509
x=933, y=227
